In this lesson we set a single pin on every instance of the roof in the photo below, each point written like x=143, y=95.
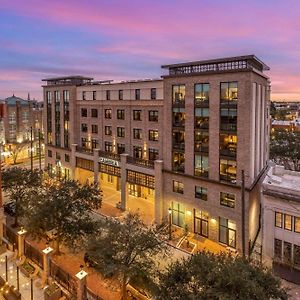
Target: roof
x=13, y=99
x=67, y=77
x=252, y=58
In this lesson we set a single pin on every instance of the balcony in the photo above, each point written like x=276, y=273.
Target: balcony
x=109, y=155
x=144, y=163
x=84, y=150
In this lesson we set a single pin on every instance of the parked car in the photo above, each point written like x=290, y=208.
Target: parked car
x=10, y=208
x=135, y=291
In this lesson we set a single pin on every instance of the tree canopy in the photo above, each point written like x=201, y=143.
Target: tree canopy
x=127, y=249
x=209, y=276
x=285, y=149
x=63, y=207
x=18, y=182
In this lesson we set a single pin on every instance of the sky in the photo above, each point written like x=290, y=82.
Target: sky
x=131, y=39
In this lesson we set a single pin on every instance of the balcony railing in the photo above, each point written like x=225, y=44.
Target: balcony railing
x=140, y=162
x=109, y=155
x=84, y=150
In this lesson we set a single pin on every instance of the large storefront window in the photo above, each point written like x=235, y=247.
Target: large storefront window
x=277, y=249
x=178, y=214
x=287, y=252
x=297, y=256
x=201, y=165
x=201, y=222
x=227, y=232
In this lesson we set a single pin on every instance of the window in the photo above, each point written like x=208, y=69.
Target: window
x=287, y=252
x=94, y=95
x=178, y=139
x=153, y=115
x=140, y=179
x=288, y=222
x=202, y=118
x=137, y=94
x=229, y=91
x=137, y=133
x=48, y=96
x=67, y=158
x=49, y=153
x=153, y=135
x=228, y=170
x=121, y=114
x=227, y=232
x=94, y=143
x=152, y=154
x=201, y=93
x=137, y=152
x=297, y=256
x=66, y=95
x=277, y=249
x=57, y=156
x=84, y=143
x=201, y=166
x=228, y=120
x=201, y=193
x=177, y=187
x=137, y=116
x=107, y=113
x=84, y=112
x=297, y=224
x=108, y=147
x=120, y=132
x=108, y=130
x=94, y=128
x=94, y=113
x=120, y=94
x=178, y=93
x=83, y=95
x=201, y=141
x=178, y=162
x=120, y=148
x=227, y=199
x=228, y=145
x=107, y=94
x=57, y=96
x=178, y=117
x=153, y=93
x=201, y=222
x=84, y=127
x=178, y=214
x=278, y=219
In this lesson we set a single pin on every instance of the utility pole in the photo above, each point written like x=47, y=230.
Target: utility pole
x=40, y=151
x=31, y=150
x=243, y=213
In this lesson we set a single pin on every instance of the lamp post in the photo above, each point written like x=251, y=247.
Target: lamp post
x=40, y=150
x=31, y=150
x=170, y=223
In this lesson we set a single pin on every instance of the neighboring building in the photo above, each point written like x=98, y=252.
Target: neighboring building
x=18, y=116
x=178, y=143
x=281, y=222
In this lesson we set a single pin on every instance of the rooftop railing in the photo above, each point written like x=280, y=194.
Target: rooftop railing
x=140, y=162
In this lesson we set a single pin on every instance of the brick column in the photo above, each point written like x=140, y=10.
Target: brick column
x=158, y=192
x=73, y=161
x=124, y=192
x=21, y=239
x=81, y=284
x=46, y=256
x=96, y=166
x=2, y=221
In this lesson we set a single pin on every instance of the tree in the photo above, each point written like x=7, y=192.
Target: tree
x=209, y=276
x=19, y=182
x=285, y=149
x=65, y=208
x=126, y=249
x=16, y=149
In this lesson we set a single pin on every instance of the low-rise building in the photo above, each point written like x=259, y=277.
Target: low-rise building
x=281, y=222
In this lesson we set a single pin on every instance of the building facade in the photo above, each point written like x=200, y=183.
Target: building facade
x=178, y=144
x=281, y=222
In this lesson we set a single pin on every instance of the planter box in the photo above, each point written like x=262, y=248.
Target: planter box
x=52, y=292
x=27, y=269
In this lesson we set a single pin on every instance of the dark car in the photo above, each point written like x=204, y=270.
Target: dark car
x=10, y=208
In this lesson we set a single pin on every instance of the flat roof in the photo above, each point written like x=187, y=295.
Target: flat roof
x=68, y=77
x=220, y=60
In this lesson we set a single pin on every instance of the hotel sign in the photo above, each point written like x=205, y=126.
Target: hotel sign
x=109, y=161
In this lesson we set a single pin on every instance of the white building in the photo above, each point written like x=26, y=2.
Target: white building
x=281, y=222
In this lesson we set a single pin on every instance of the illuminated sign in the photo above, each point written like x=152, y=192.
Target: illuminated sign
x=109, y=161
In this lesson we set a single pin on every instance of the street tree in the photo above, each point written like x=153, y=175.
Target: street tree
x=16, y=149
x=285, y=149
x=64, y=208
x=209, y=276
x=18, y=183
x=127, y=249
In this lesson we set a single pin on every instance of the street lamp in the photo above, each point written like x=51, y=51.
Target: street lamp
x=170, y=225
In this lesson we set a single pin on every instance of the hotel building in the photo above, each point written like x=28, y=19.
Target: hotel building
x=178, y=144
